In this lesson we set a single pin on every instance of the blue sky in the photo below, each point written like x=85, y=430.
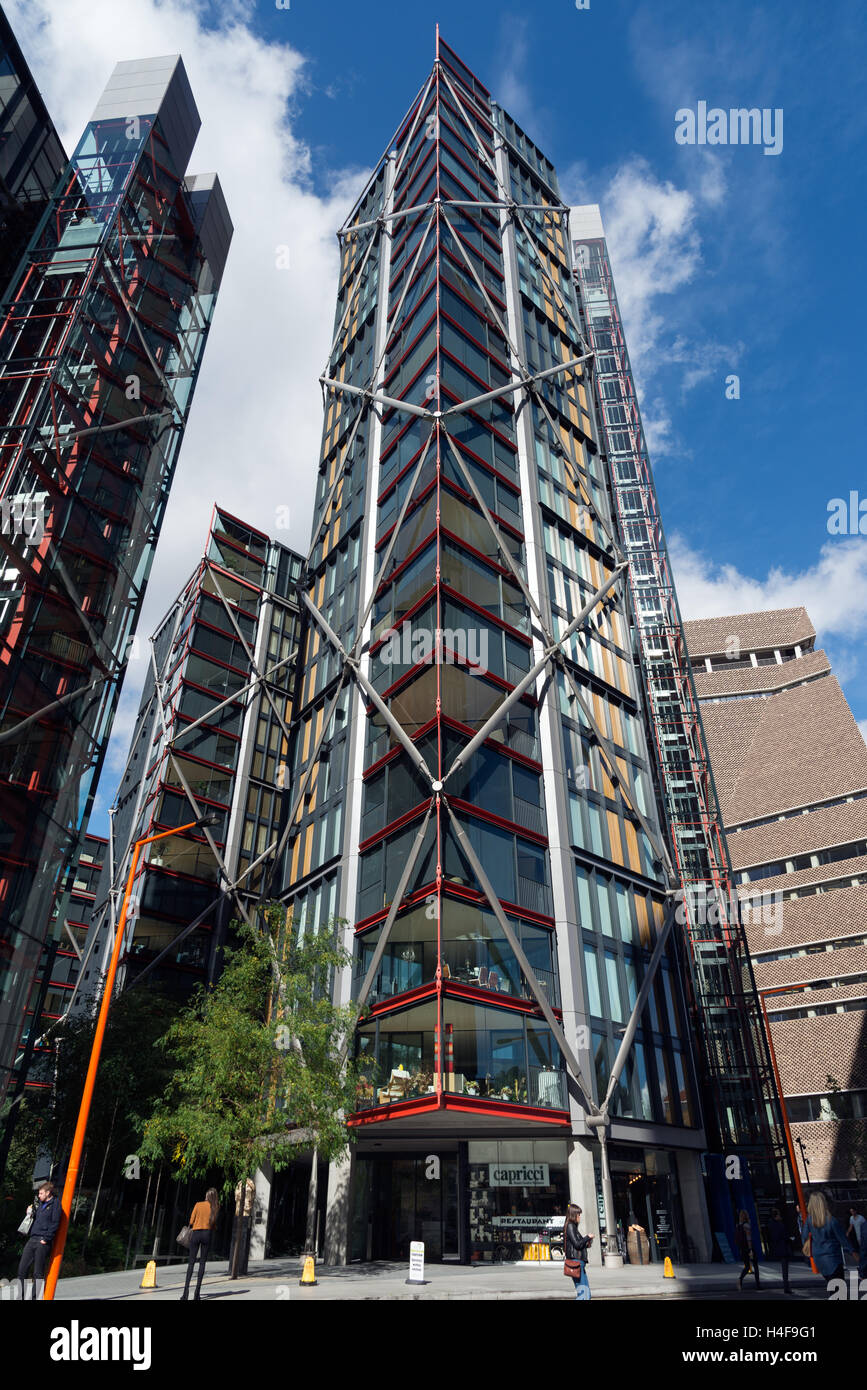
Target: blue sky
x=727, y=260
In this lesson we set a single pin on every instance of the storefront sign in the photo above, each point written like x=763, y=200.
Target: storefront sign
x=518, y=1175
x=531, y=1223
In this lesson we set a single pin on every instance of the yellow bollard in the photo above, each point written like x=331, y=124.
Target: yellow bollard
x=308, y=1278
x=149, y=1278
x=668, y=1272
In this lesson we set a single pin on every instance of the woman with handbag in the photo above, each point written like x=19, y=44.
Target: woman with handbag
x=576, y=1246
x=824, y=1239
x=202, y=1223
x=40, y=1226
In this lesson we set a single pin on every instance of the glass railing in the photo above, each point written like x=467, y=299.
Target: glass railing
x=535, y=1086
x=499, y=976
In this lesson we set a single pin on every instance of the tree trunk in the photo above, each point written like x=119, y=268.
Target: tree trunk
x=312, y=1197
x=101, y=1176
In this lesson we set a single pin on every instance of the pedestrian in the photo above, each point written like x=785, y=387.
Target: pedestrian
x=778, y=1245
x=824, y=1239
x=202, y=1223
x=746, y=1245
x=855, y=1227
x=576, y=1247
x=46, y=1219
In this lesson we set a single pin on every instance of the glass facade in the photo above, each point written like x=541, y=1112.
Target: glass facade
x=741, y=1106
x=197, y=751
x=31, y=155
x=101, y=340
x=484, y=819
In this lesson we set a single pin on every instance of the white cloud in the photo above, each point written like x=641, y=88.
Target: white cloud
x=655, y=249
x=653, y=238
x=254, y=433
x=833, y=590
x=658, y=429
x=510, y=83
x=862, y=725
x=702, y=360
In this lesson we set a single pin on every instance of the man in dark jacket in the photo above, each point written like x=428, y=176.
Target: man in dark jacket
x=778, y=1245
x=45, y=1223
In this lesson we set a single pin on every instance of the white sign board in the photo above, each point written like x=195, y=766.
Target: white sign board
x=416, y=1262
x=518, y=1175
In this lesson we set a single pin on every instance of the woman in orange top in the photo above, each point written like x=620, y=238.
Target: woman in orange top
x=202, y=1223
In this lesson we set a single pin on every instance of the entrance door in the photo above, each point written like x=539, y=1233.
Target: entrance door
x=400, y=1198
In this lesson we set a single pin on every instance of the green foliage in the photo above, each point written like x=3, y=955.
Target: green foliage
x=98, y=1252
x=32, y=1129
x=258, y=1073
x=133, y=1071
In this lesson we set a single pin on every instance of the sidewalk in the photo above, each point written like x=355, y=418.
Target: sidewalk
x=278, y=1279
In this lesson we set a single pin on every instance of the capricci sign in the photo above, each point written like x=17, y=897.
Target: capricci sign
x=519, y=1175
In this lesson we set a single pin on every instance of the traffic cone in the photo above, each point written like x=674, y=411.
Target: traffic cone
x=149, y=1278
x=309, y=1275
x=668, y=1272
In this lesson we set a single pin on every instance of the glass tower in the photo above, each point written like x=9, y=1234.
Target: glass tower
x=210, y=741
x=31, y=155
x=742, y=1105
x=101, y=340
x=473, y=793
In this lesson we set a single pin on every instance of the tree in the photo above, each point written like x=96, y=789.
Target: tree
x=132, y=1075
x=259, y=1067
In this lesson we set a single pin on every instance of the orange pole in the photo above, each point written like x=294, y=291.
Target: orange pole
x=90, y=1080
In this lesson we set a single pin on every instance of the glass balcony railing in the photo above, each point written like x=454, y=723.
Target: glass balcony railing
x=469, y=947
x=530, y=1086
x=484, y=1052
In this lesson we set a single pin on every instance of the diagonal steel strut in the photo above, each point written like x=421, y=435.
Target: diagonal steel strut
x=399, y=894
x=512, y=698
x=530, y=975
x=370, y=690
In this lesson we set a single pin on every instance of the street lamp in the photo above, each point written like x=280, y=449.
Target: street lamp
x=90, y=1080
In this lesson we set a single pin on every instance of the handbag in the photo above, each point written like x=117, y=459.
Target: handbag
x=183, y=1237
x=573, y=1268
x=26, y=1224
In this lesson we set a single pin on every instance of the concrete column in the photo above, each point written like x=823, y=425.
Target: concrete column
x=582, y=1191
x=263, y=1178
x=694, y=1203
x=338, y=1211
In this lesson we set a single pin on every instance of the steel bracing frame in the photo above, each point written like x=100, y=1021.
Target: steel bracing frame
x=741, y=1101
x=261, y=688
x=107, y=316
x=433, y=221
